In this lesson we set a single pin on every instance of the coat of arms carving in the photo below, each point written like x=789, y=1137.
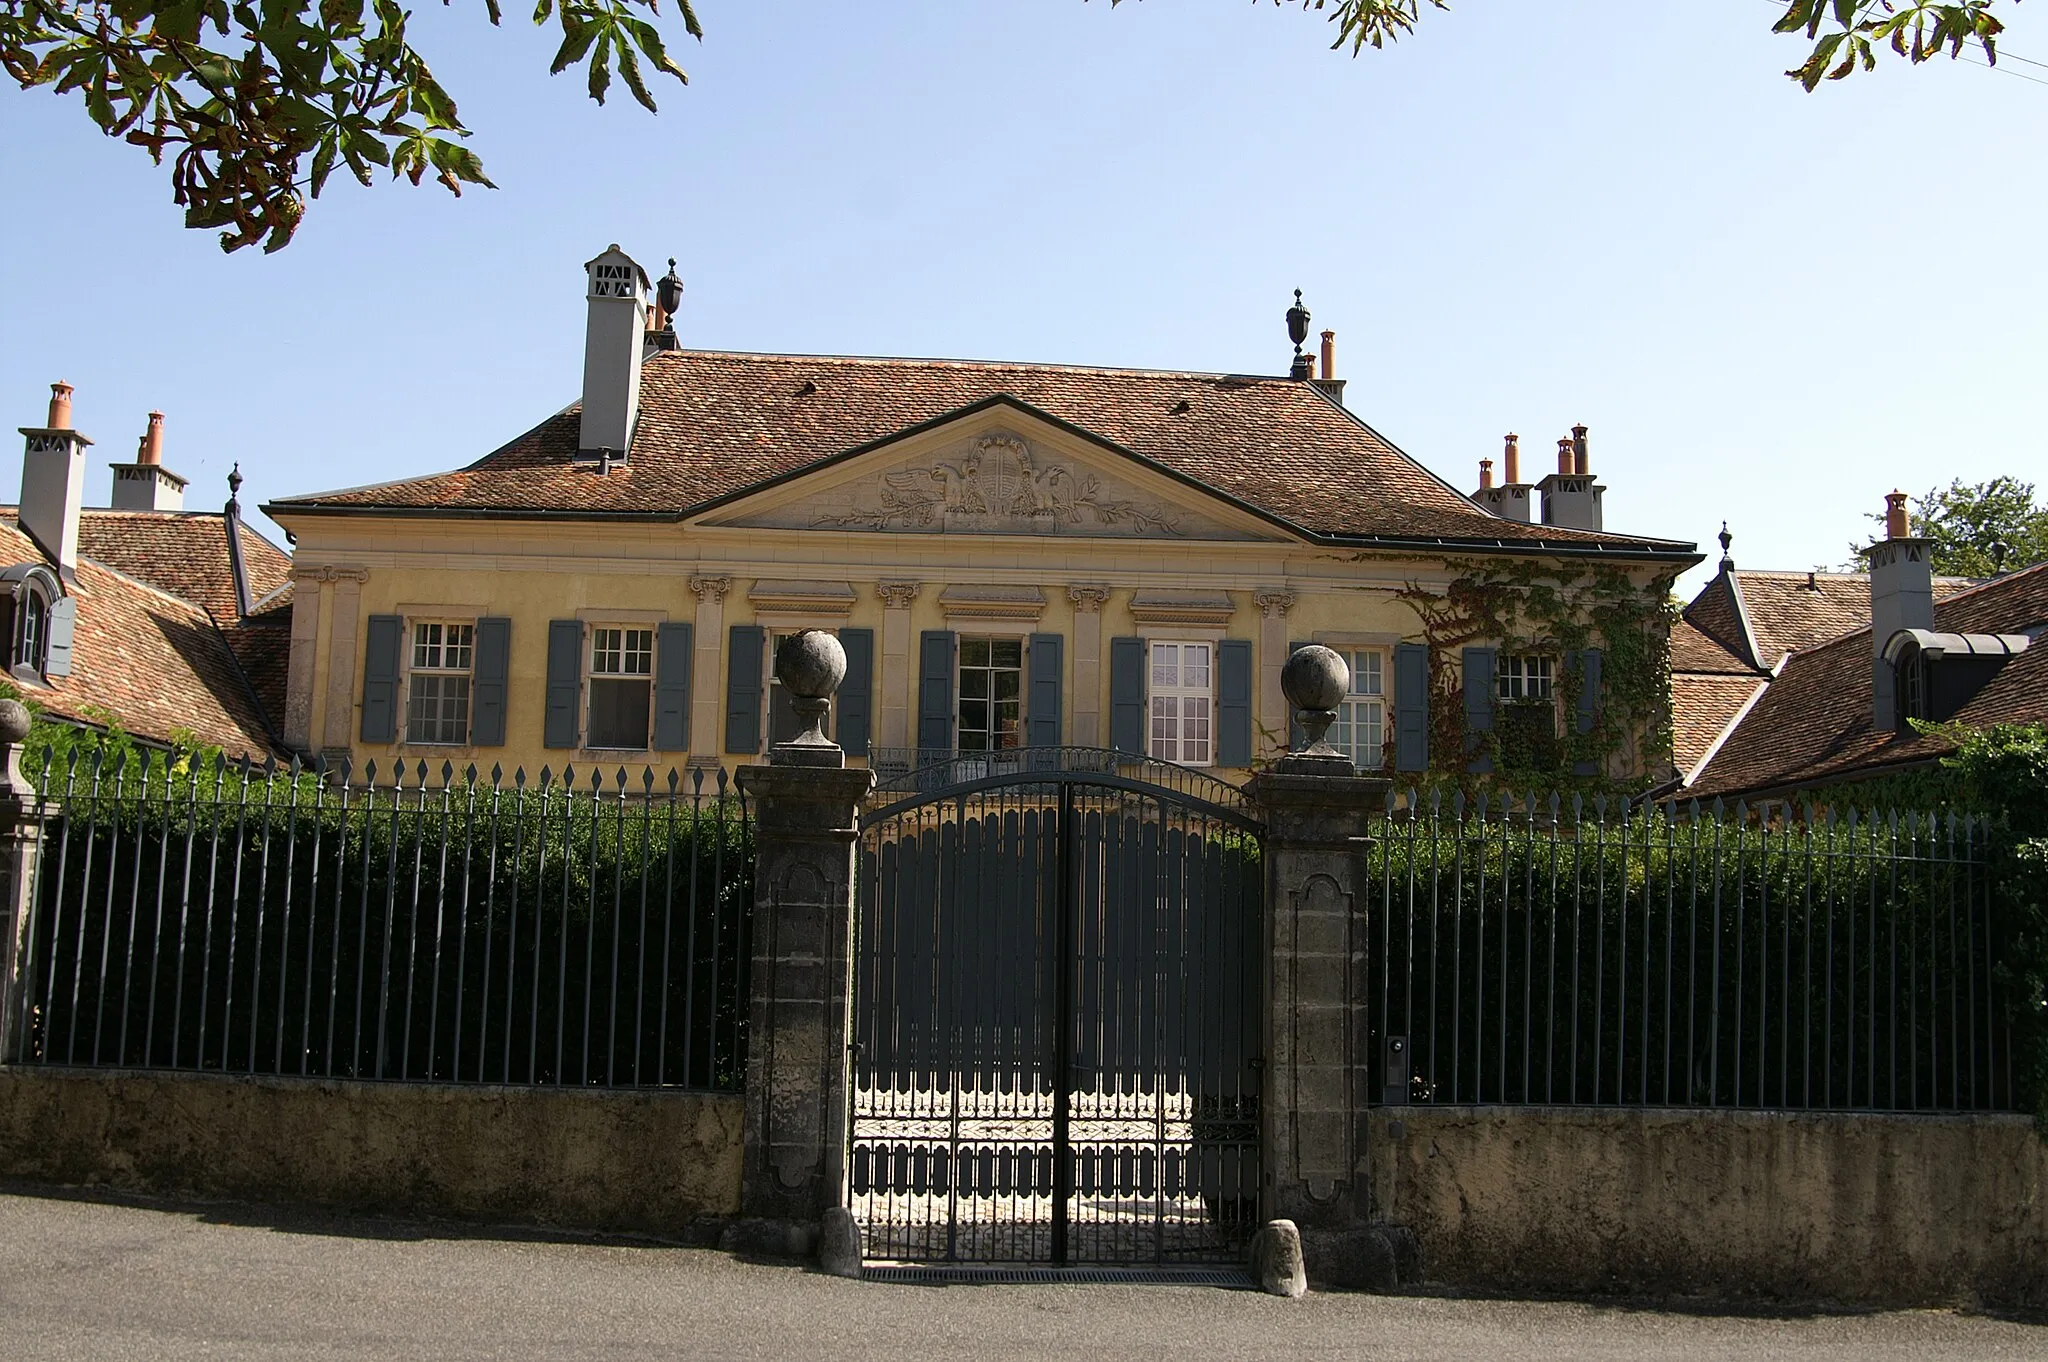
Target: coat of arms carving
x=1000, y=485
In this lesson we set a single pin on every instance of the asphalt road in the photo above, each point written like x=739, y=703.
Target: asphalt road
x=84, y=1279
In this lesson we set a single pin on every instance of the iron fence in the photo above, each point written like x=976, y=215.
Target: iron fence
x=1537, y=952
x=570, y=930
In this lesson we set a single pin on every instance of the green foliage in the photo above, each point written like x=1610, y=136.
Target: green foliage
x=1533, y=608
x=257, y=105
x=55, y=742
x=1965, y=522
x=268, y=925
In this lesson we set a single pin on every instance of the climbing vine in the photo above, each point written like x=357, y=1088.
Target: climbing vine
x=1554, y=611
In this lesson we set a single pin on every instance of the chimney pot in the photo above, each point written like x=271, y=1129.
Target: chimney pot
x=1565, y=462
x=60, y=406
x=1896, y=523
x=152, y=447
x=1582, y=463
x=1485, y=474
x=1329, y=354
x=1511, y=458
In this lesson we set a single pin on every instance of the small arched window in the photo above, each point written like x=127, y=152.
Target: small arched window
x=36, y=622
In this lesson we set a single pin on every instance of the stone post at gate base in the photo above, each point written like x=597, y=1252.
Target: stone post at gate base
x=1317, y=1023
x=800, y=1005
x=22, y=819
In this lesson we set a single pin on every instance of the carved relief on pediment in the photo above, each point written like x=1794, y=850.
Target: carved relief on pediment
x=999, y=484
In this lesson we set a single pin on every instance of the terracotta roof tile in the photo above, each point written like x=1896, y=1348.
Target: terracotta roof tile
x=155, y=663
x=1701, y=707
x=713, y=424
x=1814, y=724
x=184, y=553
x=1693, y=649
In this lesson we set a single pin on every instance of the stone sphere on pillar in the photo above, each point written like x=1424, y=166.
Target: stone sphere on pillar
x=1315, y=678
x=811, y=664
x=14, y=720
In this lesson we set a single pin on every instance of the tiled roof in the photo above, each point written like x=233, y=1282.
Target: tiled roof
x=184, y=553
x=1702, y=706
x=1693, y=649
x=155, y=663
x=1814, y=722
x=713, y=424
x=1786, y=611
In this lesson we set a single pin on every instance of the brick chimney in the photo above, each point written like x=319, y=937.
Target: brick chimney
x=53, y=483
x=146, y=485
x=1901, y=597
x=1331, y=385
x=613, y=338
x=1571, y=499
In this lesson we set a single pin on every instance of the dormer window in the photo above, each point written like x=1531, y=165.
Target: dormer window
x=36, y=620
x=1936, y=675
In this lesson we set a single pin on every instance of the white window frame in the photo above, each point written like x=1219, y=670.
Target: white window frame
x=960, y=669
x=1519, y=679
x=1187, y=710
x=415, y=647
x=626, y=652
x=1365, y=703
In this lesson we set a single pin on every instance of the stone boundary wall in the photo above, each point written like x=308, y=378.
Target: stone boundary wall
x=1846, y=1207
x=655, y=1162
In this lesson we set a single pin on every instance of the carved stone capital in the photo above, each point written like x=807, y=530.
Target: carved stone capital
x=897, y=595
x=710, y=588
x=1089, y=599
x=1273, y=604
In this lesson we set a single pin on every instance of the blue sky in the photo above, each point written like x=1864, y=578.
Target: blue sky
x=1770, y=307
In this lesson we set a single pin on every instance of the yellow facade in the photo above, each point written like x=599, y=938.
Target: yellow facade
x=1161, y=560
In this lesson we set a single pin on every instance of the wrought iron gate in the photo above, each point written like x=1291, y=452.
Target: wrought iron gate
x=1056, y=1002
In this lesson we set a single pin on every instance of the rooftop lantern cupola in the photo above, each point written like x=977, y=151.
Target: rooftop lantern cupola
x=612, y=351
x=1297, y=331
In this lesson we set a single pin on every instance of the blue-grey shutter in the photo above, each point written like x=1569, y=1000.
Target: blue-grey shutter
x=673, y=642
x=1411, y=707
x=1234, y=702
x=1479, y=683
x=380, y=678
x=744, y=646
x=935, y=694
x=856, y=699
x=490, y=682
x=1589, y=704
x=1042, y=718
x=1297, y=736
x=559, y=726
x=1127, y=695
x=63, y=626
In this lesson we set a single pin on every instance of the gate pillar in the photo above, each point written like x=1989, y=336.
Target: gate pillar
x=800, y=1005
x=22, y=818
x=1316, y=1030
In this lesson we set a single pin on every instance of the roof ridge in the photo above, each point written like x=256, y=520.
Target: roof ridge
x=1127, y=371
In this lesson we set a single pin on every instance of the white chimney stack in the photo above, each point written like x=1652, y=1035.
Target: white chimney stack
x=612, y=348
x=1509, y=499
x=146, y=485
x=1571, y=498
x=53, y=482
x=1901, y=597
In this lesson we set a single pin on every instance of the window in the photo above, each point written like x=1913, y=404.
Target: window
x=991, y=693
x=1526, y=723
x=32, y=646
x=621, y=687
x=437, y=700
x=1360, y=730
x=1182, y=707
x=1524, y=678
x=783, y=724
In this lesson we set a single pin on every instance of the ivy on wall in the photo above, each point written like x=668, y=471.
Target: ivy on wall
x=1554, y=611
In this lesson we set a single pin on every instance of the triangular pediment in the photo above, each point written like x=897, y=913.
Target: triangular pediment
x=999, y=467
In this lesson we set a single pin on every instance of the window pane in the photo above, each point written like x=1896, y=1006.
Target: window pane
x=1165, y=664
x=1365, y=674
x=1194, y=665
x=973, y=683
x=973, y=652
x=618, y=713
x=1006, y=652
x=437, y=709
x=1008, y=684
x=455, y=656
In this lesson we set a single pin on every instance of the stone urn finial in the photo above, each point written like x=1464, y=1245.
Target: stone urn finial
x=14, y=724
x=810, y=664
x=1315, y=681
